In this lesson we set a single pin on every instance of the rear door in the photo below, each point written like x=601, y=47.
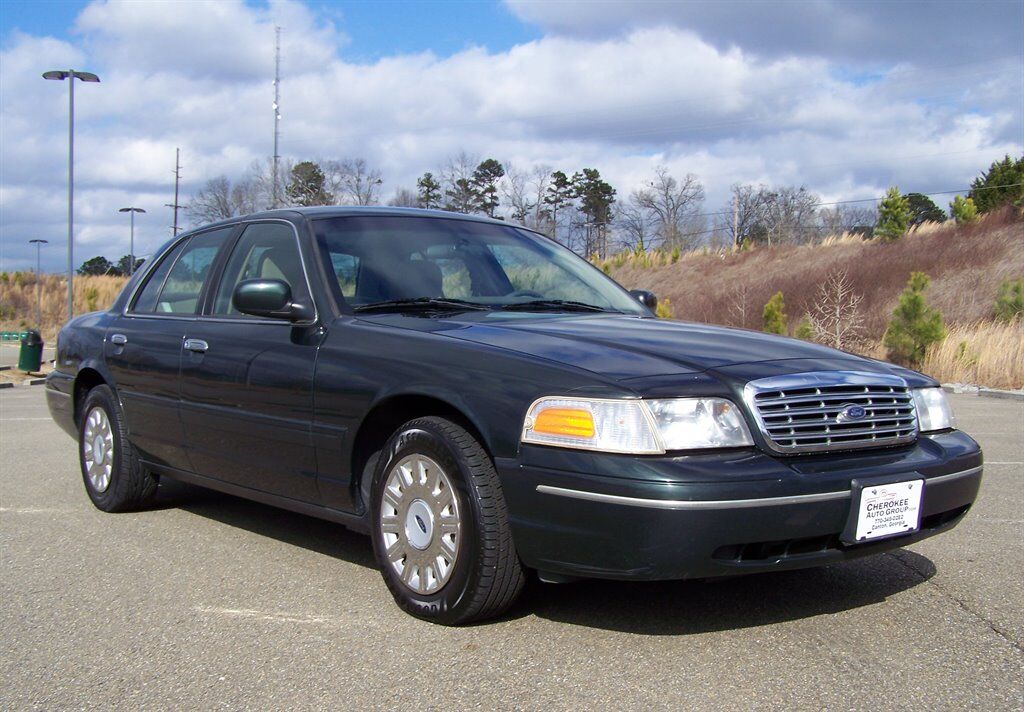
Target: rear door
x=143, y=346
x=247, y=382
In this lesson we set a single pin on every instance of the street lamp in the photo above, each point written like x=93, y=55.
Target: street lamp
x=131, y=244
x=61, y=75
x=39, y=290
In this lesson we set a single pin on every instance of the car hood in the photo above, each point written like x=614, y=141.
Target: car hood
x=625, y=347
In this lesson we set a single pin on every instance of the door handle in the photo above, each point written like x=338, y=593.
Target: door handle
x=197, y=345
x=118, y=339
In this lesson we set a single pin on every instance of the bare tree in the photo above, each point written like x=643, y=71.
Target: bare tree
x=404, y=198
x=836, y=319
x=739, y=305
x=635, y=225
x=540, y=178
x=846, y=219
x=352, y=181
x=770, y=215
x=671, y=202
x=515, y=189
x=212, y=202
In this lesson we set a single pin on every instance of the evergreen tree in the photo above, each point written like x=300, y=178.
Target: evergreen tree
x=1002, y=184
x=923, y=209
x=96, y=266
x=893, y=216
x=774, y=315
x=428, y=192
x=596, y=198
x=485, y=185
x=559, y=194
x=804, y=330
x=1010, y=301
x=306, y=186
x=963, y=210
x=914, y=326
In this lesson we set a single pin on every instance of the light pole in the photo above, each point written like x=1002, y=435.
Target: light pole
x=61, y=75
x=131, y=244
x=39, y=287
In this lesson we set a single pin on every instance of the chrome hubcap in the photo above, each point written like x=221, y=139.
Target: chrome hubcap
x=420, y=524
x=98, y=449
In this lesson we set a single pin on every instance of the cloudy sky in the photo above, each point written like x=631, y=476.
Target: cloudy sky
x=845, y=98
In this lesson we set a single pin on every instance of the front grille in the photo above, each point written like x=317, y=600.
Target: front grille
x=814, y=412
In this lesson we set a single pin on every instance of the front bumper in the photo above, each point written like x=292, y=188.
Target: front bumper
x=578, y=514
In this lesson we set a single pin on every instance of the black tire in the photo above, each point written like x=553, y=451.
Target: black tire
x=131, y=485
x=487, y=576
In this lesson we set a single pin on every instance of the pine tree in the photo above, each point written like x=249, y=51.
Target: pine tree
x=923, y=209
x=1002, y=184
x=559, y=195
x=774, y=315
x=306, y=186
x=963, y=210
x=893, y=216
x=485, y=186
x=914, y=326
x=804, y=330
x=1010, y=301
x=428, y=192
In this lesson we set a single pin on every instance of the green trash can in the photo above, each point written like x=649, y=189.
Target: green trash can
x=30, y=357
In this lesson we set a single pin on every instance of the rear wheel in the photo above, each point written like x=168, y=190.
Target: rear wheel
x=440, y=526
x=114, y=478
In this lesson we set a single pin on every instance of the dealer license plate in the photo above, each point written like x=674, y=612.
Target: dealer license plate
x=889, y=509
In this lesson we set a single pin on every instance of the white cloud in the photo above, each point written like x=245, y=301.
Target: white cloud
x=198, y=76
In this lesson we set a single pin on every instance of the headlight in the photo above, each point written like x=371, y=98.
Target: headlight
x=636, y=426
x=933, y=411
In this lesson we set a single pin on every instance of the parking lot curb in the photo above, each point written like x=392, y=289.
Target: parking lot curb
x=37, y=381
x=965, y=390
x=6, y=385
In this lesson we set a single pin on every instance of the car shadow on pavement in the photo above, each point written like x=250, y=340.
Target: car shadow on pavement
x=317, y=535
x=650, y=608
x=687, y=607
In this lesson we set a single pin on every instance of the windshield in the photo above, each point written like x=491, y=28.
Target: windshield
x=441, y=263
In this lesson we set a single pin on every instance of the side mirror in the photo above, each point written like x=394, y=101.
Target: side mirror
x=269, y=298
x=646, y=298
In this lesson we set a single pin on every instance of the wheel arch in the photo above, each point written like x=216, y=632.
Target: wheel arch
x=387, y=415
x=86, y=379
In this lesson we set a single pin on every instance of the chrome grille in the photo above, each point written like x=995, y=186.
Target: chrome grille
x=811, y=412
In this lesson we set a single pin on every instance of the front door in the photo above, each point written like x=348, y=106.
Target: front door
x=247, y=382
x=143, y=347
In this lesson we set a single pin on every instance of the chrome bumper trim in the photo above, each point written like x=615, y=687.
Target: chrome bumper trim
x=682, y=504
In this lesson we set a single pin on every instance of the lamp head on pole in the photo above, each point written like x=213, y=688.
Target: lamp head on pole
x=38, y=242
x=61, y=75
x=131, y=210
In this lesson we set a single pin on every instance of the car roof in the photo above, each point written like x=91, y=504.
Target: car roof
x=338, y=211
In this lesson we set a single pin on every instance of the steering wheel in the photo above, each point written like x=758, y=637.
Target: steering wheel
x=526, y=293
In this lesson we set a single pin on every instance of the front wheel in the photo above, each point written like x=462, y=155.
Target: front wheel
x=440, y=526
x=114, y=478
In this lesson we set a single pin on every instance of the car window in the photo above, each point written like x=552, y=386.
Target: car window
x=264, y=251
x=145, y=302
x=346, y=270
x=531, y=272
x=498, y=266
x=184, y=283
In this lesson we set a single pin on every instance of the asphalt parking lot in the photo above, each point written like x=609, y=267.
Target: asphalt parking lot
x=209, y=602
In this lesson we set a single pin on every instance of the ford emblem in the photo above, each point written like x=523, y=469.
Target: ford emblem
x=851, y=412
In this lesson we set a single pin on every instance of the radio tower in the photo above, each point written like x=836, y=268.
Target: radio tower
x=277, y=114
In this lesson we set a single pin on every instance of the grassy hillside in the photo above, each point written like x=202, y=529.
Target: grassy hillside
x=966, y=267
x=18, y=299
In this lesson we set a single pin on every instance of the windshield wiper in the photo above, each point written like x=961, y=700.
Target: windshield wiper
x=421, y=304
x=553, y=305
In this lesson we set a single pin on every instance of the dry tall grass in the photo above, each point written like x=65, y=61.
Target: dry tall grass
x=989, y=353
x=18, y=299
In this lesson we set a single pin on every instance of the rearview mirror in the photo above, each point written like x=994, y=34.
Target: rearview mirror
x=646, y=298
x=269, y=298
